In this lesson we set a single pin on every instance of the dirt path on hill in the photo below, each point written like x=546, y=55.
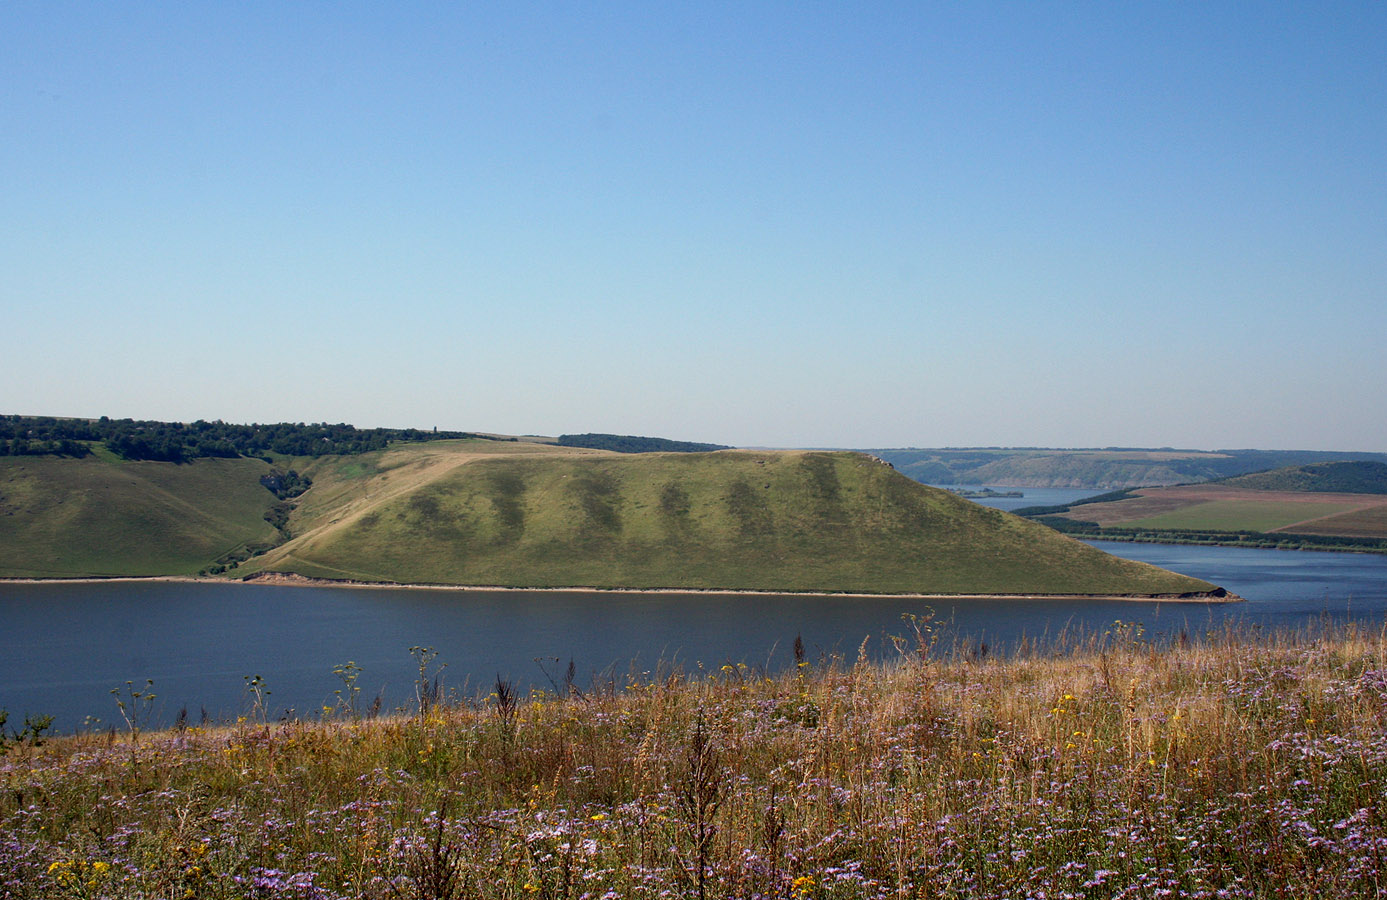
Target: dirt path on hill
x=394, y=482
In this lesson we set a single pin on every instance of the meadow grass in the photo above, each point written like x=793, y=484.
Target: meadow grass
x=1243, y=765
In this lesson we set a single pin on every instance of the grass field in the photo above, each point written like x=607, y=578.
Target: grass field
x=1217, y=507
x=1253, y=766
x=1241, y=515
x=788, y=521
x=1370, y=522
x=101, y=516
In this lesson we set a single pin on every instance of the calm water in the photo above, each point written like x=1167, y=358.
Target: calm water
x=1033, y=496
x=64, y=647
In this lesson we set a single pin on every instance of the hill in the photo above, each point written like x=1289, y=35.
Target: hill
x=738, y=520
x=1352, y=477
x=100, y=516
x=483, y=512
x=1103, y=469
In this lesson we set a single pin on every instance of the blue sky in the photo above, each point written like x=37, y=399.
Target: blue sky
x=759, y=224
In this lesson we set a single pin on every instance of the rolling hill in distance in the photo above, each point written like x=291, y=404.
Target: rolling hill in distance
x=1102, y=469
x=1350, y=477
x=475, y=511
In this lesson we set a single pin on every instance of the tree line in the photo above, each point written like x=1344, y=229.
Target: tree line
x=630, y=443
x=180, y=442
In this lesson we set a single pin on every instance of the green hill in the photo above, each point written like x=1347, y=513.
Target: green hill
x=99, y=516
x=781, y=521
x=1354, y=477
x=478, y=512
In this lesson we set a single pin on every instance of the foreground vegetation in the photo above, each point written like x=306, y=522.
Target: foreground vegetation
x=1249, y=766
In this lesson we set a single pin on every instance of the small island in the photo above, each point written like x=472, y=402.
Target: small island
x=984, y=494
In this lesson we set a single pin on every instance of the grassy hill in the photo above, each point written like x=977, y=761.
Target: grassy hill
x=786, y=521
x=484, y=512
x=1351, y=477
x=101, y=516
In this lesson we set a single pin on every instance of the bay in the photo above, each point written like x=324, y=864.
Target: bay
x=1030, y=496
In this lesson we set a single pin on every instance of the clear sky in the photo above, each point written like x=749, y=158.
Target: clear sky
x=795, y=224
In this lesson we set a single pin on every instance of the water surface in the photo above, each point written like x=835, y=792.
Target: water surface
x=63, y=647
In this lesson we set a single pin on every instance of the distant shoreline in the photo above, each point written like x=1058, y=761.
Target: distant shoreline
x=279, y=579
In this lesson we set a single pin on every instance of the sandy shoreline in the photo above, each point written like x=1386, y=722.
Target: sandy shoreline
x=278, y=579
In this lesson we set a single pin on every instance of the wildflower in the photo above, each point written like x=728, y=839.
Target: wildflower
x=803, y=885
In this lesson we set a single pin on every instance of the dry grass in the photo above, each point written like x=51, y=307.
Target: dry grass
x=1230, y=508
x=1371, y=523
x=1250, y=765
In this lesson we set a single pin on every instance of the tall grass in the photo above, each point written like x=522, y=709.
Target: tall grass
x=1246, y=765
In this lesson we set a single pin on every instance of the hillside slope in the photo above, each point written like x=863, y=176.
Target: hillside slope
x=96, y=516
x=783, y=521
x=1352, y=477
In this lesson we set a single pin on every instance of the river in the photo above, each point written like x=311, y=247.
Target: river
x=64, y=647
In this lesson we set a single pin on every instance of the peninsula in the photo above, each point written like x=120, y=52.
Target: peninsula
x=472, y=510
